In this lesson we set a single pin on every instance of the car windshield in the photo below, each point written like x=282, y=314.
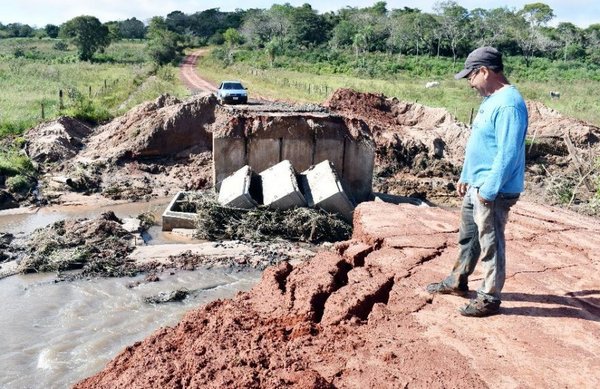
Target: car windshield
x=233, y=85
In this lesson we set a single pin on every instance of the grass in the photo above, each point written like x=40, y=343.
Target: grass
x=121, y=78
x=578, y=97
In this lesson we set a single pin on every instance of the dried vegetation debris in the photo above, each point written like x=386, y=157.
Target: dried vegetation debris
x=97, y=246
x=216, y=222
x=563, y=160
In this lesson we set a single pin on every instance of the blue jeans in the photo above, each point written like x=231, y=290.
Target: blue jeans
x=481, y=235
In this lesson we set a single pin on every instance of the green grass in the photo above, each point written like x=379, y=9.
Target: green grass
x=121, y=77
x=313, y=82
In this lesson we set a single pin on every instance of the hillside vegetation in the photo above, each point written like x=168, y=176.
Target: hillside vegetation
x=33, y=72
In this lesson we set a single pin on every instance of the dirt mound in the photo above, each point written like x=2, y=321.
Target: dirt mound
x=161, y=128
x=156, y=148
x=377, y=110
x=419, y=149
x=56, y=141
x=359, y=317
x=562, y=159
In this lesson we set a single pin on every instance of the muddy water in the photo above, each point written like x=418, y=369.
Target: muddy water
x=54, y=334
x=27, y=220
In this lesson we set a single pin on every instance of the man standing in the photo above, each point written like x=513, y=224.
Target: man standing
x=491, y=181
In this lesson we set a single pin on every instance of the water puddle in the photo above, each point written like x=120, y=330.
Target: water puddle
x=55, y=334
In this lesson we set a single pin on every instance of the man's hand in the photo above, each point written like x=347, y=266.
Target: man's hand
x=461, y=189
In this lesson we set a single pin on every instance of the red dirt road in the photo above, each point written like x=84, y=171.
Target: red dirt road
x=190, y=78
x=358, y=317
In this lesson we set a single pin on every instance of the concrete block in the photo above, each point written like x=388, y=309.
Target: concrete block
x=331, y=149
x=172, y=217
x=263, y=153
x=298, y=151
x=237, y=189
x=323, y=188
x=229, y=154
x=359, y=158
x=280, y=187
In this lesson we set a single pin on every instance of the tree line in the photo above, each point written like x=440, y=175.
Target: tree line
x=449, y=31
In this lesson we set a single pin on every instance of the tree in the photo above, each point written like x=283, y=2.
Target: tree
x=342, y=34
x=114, y=32
x=163, y=45
x=491, y=26
x=527, y=28
x=537, y=14
x=51, y=30
x=454, y=21
x=132, y=29
x=570, y=36
x=592, y=38
x=307, y=27
x=87, y=34
x=177, y=22
x=232, y=37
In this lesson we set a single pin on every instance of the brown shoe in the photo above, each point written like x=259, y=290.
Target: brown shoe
x=442, y=288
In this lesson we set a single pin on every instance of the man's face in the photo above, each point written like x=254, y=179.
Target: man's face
x=477, y=80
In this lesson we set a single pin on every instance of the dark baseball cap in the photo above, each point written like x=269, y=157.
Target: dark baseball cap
x=484, y=56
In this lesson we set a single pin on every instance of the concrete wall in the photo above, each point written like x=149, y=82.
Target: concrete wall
x=304, y=140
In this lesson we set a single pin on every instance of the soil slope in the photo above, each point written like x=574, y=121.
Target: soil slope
x=358, y=316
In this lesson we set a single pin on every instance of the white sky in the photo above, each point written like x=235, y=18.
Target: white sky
x=41, y=12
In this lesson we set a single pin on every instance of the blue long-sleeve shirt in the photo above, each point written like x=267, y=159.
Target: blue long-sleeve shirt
x=495, y=153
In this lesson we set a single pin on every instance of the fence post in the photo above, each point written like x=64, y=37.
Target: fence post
x=43, y=116
x=60, y=99
x=471, y=117
x=90, y=91
x=105, y=83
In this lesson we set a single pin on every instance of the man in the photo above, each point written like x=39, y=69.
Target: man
x=490, y=183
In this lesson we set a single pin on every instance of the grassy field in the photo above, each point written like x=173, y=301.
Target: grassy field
x=32, y=72
x=579, y=98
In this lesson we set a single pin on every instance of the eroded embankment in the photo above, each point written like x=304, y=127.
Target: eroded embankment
x=357, y=316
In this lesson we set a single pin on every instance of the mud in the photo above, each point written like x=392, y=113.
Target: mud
x=358, y=316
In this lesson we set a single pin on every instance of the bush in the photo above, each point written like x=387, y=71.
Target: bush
x=61, y=46
x=87, y=110
x=19, y=183
x=13, y=163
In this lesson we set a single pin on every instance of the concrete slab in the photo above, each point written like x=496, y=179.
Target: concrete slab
x=263, y=153
x=280, y=187
x=298, y=151
x=229, y=154
x=359, y=159
x=237, y=189
x=172, y=217
x=323, y=188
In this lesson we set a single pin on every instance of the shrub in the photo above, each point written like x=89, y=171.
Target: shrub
x=61, y=46
x=19, y=183
x=87, y=110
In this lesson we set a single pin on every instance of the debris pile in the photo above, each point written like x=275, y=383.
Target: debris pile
x=96, y=246
x=215, y=222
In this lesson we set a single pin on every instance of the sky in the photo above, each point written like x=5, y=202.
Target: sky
x=41, y=12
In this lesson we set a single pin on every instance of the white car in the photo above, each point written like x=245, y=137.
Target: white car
x=232, y=92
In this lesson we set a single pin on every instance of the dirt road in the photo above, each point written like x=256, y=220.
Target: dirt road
x=190, y=78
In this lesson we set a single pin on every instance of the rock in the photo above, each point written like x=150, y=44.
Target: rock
x=167, y=297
